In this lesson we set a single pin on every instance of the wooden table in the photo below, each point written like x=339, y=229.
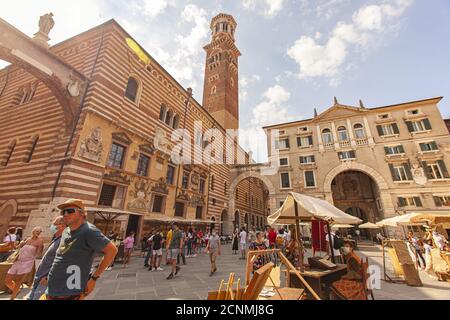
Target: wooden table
x=319, y=280
x=286, y=294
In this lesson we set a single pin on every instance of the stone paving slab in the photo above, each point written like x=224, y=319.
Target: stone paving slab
x=194, y=282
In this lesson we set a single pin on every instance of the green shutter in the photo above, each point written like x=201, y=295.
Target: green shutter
x=380, y=131
x=401, y=149
x=418, y=201
x=287, y=143
x=441, y=165
x=353, y=154
x=391, y=168
x=408, y=171
x=401, y=202
x=340, y=155
x=387, y=150
x=409, y=126
x=313, y=158
x=427, y=124
x=422, y=146
x=299, y=142
x=310, y=140
x=395, y=128
x=434, y=145
x=301, y=160
x=437, y=201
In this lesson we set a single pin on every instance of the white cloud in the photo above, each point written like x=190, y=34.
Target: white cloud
x=153, y=8
x=271, y=110
x=368, y=27
x=184, y=58
x=249, y=4
x=328, y=8
x=268, y=8
x=274, y=7
x=244, y=82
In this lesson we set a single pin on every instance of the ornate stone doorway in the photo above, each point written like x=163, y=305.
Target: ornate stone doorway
x=373, y=180
x=358, y=194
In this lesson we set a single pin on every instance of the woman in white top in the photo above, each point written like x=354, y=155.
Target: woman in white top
x=9, y=244
x=11, y=236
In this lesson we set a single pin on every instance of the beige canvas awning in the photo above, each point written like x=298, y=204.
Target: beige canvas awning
x=369, y=225
x=399, y=220
x=342, y=226
x=309, y=208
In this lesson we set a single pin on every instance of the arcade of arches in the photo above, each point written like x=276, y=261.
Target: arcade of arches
x=250, y=206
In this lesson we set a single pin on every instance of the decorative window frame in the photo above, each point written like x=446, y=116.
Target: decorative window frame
x=281, y=181
x=139, y=90
x=304, y=179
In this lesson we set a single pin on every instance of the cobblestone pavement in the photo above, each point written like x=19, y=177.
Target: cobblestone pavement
x=194, y=282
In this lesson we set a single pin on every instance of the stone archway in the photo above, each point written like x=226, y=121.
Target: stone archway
x=66, y=83
x=388, y=208
x=245, y=173
x=7, y=211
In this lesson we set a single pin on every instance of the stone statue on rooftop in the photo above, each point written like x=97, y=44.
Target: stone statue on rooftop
x=46, y=23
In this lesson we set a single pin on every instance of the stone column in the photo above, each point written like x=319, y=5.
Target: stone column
x=335, y=138
x=368, y=132
x=350, y=132
x=319, y=138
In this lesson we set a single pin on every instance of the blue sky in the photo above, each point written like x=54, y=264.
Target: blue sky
x=296, y=54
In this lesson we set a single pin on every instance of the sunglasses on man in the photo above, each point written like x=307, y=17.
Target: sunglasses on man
x=69, y=211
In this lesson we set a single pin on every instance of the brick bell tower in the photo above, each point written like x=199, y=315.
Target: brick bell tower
x=221, y=90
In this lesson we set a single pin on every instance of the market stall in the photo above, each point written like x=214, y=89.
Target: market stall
x=301, y=208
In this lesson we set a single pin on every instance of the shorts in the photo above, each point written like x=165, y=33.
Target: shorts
x=172, y=254
x=213, y=255
x=242, y=246
x=157, y=252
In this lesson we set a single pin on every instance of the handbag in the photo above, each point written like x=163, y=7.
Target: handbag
x=6, y=247
x=13, y=257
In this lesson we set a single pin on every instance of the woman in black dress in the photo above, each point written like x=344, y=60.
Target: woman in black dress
x=235, y=243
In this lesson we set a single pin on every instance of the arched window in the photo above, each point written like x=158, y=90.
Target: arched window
x=169, y=117
x=162, y=113
x=326, y=136
x=34, y=141
x=359, y=131
x=176, y=120
x=342, y=134
x=213, y=90
x=9, y=152
x=212, y=182
x=132, y=89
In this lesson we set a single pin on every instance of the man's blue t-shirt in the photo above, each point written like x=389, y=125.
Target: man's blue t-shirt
x=73, y=261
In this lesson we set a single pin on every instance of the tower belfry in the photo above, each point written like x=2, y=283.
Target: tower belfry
x=221, y=89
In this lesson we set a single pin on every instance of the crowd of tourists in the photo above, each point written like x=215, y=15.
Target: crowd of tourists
x=421, y=247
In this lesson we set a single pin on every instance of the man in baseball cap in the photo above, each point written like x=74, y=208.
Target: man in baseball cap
x=75, y=255
x=72, y=203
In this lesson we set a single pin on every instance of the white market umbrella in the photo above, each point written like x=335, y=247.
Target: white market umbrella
x=397, y=220
x=342, y=226
x=308, y=209
x=369, y=225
